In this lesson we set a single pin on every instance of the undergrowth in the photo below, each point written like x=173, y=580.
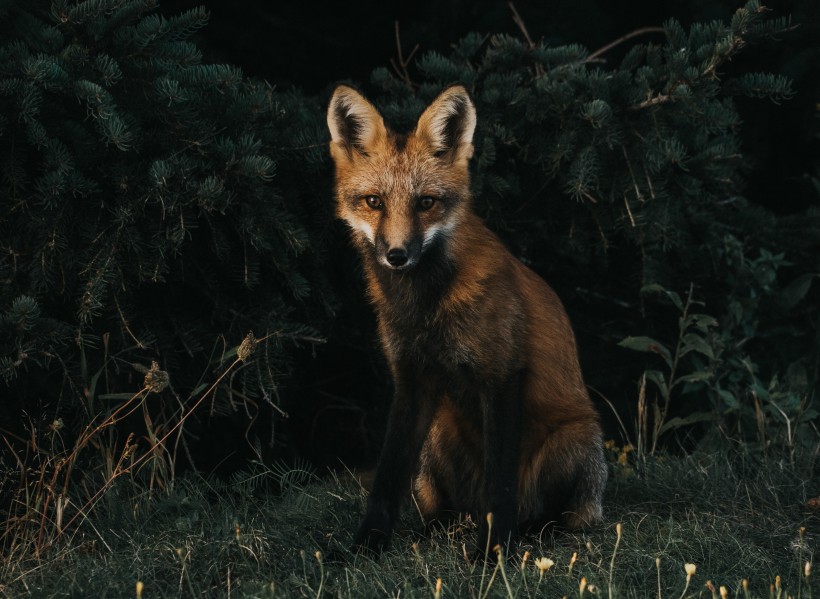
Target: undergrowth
x=731, y=516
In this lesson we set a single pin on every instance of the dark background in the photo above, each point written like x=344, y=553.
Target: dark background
x=311, y=45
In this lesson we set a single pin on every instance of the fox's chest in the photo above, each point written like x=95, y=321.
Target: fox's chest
x=429, y=338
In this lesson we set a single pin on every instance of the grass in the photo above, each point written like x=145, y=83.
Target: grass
x=734, y=516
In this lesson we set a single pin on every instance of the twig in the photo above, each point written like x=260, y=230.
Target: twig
x=520, y=22
x=539, y=69
x=621, y=40
x=401, y=67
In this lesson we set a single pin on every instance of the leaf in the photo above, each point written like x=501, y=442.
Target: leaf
x=729, y=399
x=693, y=342
x=695, y=377
x=702, y=322
x=647, y=344
x=671, y=295
x=789, y=297
x=692, y=418
x=657, y=378
x=199, y=388
x=107, y=396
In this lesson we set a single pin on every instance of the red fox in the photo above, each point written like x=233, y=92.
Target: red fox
x=490, y=413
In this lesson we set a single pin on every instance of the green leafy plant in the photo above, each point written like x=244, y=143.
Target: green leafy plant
x=681, y=375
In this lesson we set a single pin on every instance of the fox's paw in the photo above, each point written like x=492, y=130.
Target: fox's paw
x=372, y=538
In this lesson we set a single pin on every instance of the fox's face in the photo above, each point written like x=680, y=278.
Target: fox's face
x=401, y=194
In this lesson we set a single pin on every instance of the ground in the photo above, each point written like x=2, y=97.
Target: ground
x=733, y=514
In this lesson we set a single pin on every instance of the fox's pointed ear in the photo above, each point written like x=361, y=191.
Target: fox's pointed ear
x=448, y=124
x=354, y=123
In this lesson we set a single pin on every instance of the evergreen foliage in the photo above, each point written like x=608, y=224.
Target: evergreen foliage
x=610, y=179
x=153, y=207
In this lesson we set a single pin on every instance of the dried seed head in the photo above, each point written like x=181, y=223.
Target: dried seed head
x=156, y=380
x=525, y=558
x=246, y=348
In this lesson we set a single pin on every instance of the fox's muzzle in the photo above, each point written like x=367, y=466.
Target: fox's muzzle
x=398, y=257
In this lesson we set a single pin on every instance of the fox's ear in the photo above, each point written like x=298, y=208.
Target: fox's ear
x=354, y=123
x=448, y=124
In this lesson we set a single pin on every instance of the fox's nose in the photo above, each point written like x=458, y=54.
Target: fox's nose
x=397, y=257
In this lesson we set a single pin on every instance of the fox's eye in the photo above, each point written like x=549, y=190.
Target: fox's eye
x=374, y=202
x=426, y=202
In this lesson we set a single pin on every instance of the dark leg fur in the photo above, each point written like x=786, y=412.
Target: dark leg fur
x=501, y=415
x=566, y=481
x=409, y=420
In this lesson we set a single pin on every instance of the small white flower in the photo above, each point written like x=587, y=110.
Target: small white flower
x=543, y=564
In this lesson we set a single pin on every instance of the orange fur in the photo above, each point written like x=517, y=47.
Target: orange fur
x=478, y=343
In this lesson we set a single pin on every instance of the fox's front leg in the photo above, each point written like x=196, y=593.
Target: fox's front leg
x=502, y=410
x=408, y=423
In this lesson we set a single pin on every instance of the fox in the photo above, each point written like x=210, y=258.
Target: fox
x=490, y=414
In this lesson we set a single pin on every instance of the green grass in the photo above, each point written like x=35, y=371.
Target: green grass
x=735, y=517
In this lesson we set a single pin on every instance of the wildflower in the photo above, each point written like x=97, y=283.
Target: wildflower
x=438, y=589
x=140, y=586
x=524, y=559
x=724, y=592
x=583, y=585
x=807, y=569
x=690, y=570
x=572, y=561
x=711, y=588
x=543, y=564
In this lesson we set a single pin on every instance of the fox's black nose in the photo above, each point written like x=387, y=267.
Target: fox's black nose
x=397, y=257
